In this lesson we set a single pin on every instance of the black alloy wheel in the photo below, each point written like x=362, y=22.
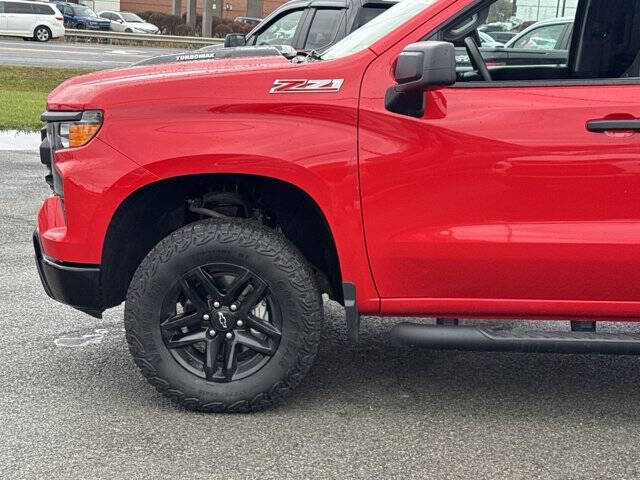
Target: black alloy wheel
x=221, y=322
x=224, y=315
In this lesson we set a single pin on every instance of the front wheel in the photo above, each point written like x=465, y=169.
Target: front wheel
x=224, y=315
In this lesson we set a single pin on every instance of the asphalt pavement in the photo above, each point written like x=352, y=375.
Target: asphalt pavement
x=57, y=53
x=73, y=405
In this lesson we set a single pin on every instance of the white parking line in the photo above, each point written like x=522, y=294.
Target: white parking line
x=78, y=47
x=115, y=52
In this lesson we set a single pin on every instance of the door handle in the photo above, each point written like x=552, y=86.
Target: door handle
x=601, y=126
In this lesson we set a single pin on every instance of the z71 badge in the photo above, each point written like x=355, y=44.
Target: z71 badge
x=306, y=86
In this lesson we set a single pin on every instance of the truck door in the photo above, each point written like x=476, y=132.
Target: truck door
x=508, y=192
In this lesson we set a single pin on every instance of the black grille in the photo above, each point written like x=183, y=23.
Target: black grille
x=45, y=155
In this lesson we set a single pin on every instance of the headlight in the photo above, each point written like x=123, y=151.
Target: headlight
x=78, y=133
x=66, y=130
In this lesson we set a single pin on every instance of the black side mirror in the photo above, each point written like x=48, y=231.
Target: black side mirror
x=421, y=66
x=235, y=40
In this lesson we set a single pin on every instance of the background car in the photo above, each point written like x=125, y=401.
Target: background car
x=502, y=37
x=128, y=22
x=30, y=20
x=307, y=26
x=82, y=17
x=253, y=21
x=554, y=34
x=297, y=26
x=488, y=41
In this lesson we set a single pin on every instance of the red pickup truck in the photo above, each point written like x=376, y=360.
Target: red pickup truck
x=221, y=198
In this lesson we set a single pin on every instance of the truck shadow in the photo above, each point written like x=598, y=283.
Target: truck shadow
x=377, y=375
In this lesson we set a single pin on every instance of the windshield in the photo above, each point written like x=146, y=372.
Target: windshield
x=131, y=18
x=83, y=12
x=377, y=28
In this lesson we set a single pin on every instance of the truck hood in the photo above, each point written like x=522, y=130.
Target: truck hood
x=220, y=52
x=80, y=92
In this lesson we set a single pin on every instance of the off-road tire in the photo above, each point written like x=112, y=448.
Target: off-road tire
x=289, y=279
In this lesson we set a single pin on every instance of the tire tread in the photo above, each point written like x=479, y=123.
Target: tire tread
x=247, y=234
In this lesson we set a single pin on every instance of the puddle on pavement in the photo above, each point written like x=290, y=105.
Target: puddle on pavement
x=83, y=340
x=19, y=140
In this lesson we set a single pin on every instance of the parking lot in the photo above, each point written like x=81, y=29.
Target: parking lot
x=73, y=405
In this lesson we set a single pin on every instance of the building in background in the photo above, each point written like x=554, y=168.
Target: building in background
x=229, y=8
x=534, y=10
x=99, y=5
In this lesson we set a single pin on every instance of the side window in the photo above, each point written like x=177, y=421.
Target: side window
x=1, y=7
x=43, y=9
x=566, y=40
x=604, y=45
x=67, y=11
x=323, y=28
x=23, y=8
x=541, y=38
x=281, y=31
x=367, y=14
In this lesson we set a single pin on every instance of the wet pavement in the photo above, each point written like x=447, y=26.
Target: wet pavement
x=19, y=140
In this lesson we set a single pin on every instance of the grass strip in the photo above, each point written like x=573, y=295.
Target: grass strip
x=23, y=94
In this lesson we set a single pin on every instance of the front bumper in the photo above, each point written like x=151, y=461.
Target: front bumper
x=97, y=26
x=74, y=285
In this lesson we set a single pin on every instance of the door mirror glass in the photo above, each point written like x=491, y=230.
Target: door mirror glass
x=235, y=40
x=421, y=66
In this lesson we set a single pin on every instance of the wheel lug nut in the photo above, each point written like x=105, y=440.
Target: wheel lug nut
x=229, y=335
x=239, y=323
x=206, y=317
x=233, y=307
x=216, y=304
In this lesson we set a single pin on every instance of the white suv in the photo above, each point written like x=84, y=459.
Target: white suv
x=30, y=20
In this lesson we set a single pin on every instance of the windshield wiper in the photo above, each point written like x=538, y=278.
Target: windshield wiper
x=314, y=55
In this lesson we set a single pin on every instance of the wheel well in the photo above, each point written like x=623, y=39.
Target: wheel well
x=154, y=211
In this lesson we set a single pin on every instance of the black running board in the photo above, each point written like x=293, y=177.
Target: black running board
x=487, y=340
